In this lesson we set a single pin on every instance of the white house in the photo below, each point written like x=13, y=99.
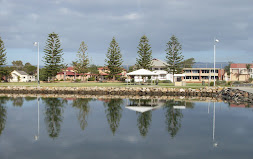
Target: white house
x=21, y=76
x=163, y=75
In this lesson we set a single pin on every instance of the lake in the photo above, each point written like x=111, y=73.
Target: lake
x=52, y=128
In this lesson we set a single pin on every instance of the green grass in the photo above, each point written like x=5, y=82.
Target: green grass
x=94, y=84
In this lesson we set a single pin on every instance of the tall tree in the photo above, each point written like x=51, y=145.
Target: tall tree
x=93, y=69
x=113, y=113
x=18, y=65
x=145, y=54
x=227, y=68
x=81, y=64
x=188, y=63
x=30, y=69
x=53, y=55
x=114, y=59
x=174, y=56
x=2, y=53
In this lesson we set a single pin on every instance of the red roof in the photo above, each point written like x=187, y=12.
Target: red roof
x=102, y=68
x=240, y=65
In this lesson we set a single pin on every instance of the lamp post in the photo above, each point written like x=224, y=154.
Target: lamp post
x=38, y=69
x=215, y=41
x=36, y=137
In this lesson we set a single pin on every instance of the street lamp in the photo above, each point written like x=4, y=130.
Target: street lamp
x=215, y=41
x=36, y=137
x=38, y=69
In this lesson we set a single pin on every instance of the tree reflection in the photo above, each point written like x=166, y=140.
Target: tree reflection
x=113, y=113
x=173, y=118
x=3, y=113
x=53, y=115
x=17, y=101
x=84, y=108
x=143, y=122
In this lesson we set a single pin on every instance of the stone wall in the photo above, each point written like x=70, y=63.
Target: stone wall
x=140, y=91
x=236, y=95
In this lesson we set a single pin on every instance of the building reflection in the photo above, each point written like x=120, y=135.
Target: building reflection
x=143, y=109
x=84, y=108
x=53, y=115
x=113, y=111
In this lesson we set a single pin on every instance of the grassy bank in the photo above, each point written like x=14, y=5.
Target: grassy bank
x=94, y=84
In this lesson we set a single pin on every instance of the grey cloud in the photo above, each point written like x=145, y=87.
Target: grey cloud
x=195, y=22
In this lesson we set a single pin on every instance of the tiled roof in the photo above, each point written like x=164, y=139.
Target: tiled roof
x=239, y=65
x=159, y=63
x=22, y=72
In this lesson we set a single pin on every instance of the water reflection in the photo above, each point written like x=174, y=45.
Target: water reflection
x=3, y=113
x=17, y=101
x=53, y=115
x=173, y=117
x=113, y=111
x=84, y=108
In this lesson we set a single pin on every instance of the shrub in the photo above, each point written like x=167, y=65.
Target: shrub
x=250, y=80
x=229, y=83
x=91, y=79
x=237, y=82
x=165, y=81
x=223, y=83
x=61, y=80
x=211, y=83
x=77, y=80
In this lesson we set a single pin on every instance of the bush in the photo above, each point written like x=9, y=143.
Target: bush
x=237, y=82
x=250, y=80
x=229, y=83
x=211, y=83
x=91, y=79
x=165, y=81
x=61, y=80
x=77, y=80
x=223, y=83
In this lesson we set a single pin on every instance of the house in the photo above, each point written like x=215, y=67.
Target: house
x=203, y=74
x=21, y=76
x=70, y=74
x=163, y=75
x=158, y=65
x=239, y=72
x=104, y=72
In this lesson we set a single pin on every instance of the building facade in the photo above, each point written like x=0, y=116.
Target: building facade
x=21, y=76
x=239, y=72
x=203, y=74
x=158, y=65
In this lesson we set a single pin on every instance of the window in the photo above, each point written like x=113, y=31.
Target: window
x=162, y=76
x=205, y=71
x=188, y=77
x=195, y=71
x=204, y=77
x=195, y=77
x=187, y=71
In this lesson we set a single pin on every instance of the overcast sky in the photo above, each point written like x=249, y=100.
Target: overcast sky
x=195, y=22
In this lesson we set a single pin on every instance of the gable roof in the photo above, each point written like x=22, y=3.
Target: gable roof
x=21, y=72
x=159, y=63
x=142, y=72
x=240, y=65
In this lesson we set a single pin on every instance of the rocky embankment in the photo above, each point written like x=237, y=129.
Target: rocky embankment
x=140, y=91
x=236, y=95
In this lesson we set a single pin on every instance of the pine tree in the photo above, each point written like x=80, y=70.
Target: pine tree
x=81, y=65
x=53, y=55
x=174, y=56
x=2, y=53
x=114, y=59
x=145, y=54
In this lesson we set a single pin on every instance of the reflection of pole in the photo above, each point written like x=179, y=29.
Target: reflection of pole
x=213, y=119
x=208, y=110
x=36, y=137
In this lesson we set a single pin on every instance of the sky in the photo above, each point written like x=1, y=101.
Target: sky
x=196, y=23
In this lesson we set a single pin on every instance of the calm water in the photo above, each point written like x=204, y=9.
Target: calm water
x=116, y=128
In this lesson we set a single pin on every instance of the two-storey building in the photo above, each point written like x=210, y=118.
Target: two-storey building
x=202, y=74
